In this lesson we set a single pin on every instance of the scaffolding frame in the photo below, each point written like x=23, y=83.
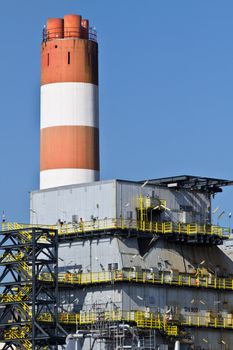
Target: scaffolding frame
x=24, y=254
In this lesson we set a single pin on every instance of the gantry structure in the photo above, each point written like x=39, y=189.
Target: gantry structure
x=25, y=254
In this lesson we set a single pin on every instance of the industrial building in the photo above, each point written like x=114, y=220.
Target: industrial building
x=115, y=264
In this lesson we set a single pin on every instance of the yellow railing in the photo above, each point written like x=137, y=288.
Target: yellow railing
x=164, y=278
x=185, y=229
x=161, y=228
x=168, y=323
x=145, y=319
x=145, y=203
x=66, y=318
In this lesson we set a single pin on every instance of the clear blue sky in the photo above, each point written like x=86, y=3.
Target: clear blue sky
x=166, y=77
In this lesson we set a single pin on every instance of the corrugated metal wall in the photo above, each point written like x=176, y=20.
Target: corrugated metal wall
x=96, y=199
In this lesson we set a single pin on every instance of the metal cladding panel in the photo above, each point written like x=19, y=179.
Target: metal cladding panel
x=170, y=256
x=217, y=340
x=76, y=300
x=127, y=194
x=129, y=251
x=177, y=201
x=187, y=302
x=90, y=255
x=107, y=298
x=139, y=297
x=122, y=196
x=127, y=197
x=97, y=199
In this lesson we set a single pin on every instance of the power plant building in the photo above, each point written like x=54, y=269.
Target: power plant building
x=114, y=264
x=143, y=253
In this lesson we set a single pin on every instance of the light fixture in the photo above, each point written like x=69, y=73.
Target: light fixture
x=175, y=184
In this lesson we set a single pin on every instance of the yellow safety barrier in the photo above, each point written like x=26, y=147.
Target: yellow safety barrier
x=172, y=330
x=168, y=324
x=64, y=317
x=164, y=278
x=144, y=319
x=161, y=228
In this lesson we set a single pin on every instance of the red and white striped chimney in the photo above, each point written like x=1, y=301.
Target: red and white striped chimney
x=69, y=152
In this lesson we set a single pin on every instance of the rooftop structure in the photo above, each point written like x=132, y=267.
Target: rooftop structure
x=205, y=184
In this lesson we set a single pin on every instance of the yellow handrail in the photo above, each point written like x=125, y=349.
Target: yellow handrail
x=168, y=323
x=163, y=228
x=165, y=278
x=117, y=276
x=144, y=319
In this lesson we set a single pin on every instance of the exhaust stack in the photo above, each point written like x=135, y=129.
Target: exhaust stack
x=69, y=151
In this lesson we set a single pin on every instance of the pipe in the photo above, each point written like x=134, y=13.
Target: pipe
x=78, y=335
x=177, y=345
x=130, y=329
x=73, y=336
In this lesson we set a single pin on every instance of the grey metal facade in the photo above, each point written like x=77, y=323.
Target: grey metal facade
x=114, y=199
x=118, y=200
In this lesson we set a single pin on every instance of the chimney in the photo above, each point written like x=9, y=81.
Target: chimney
x=69, y=150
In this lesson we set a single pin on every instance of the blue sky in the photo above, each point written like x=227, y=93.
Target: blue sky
x=166, y=107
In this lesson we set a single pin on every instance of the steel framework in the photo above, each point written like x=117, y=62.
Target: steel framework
x=24, y=255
